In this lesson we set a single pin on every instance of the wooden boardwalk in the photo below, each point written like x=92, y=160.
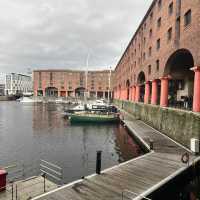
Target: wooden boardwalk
x=134, y=179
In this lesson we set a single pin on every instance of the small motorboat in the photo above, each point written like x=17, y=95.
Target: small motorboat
x=29, y=100
x=78, y=108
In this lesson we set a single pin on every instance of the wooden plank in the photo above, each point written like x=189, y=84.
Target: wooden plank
x=137, y=176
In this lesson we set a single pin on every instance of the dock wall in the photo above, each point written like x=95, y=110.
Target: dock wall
x=178, y=124
x=7, y=98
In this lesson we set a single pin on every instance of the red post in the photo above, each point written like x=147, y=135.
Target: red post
x=164, y=92
x=137, y=95
x=147, y=92
x=133, y=93
x=3, y=174
x=196, y=97
x=154, y=96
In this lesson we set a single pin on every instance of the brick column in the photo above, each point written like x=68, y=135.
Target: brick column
x=164, y=91
x=133, y=93
x=154, y=96
x=147, y=92
x=137, y=93
x=196, y=97
x=44, y=93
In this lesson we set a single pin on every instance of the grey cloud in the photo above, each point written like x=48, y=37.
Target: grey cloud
x=59, y=34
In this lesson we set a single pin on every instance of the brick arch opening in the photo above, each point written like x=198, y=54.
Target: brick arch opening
x=141, y=82
x=51, y=92
x=181, y=83
x=80, y=92
x=141, y=78
x=128, y=89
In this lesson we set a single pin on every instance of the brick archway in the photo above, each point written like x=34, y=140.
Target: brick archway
x=140, y=88
x=51, y=92
x=181, y=82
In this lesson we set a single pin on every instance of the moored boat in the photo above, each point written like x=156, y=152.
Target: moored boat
x=89, y=117
x=29, y=100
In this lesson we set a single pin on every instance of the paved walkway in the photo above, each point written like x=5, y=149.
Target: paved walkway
x=134, y=179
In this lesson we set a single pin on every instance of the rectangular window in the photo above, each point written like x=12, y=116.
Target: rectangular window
x=159, y=4
x=169, y=34
x=144, y=56
x=150, y=51
x=170, y=9
x=157, y=65
x=149, y=69
x=158, y=44
x=144, y=41
x=151, y=16
x=159, y=23
x=150, y=33
x=188, y=17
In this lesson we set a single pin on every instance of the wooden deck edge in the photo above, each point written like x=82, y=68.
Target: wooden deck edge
x=92, y=175
x=157, y=131
x=137, y=136
x=166, y=180
x=177, y=143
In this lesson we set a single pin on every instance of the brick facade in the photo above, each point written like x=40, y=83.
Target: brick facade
x=72, y=83
x=165, y=46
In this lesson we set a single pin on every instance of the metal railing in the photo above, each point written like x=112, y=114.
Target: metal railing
x=52, y=171
x=19, y=187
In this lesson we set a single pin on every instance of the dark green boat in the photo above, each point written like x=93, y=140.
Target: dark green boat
x=93, y=118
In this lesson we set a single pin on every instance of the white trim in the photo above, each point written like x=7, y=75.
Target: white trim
x=92, y=175
x=137, y=135
x=167, y=137
x=164, y=181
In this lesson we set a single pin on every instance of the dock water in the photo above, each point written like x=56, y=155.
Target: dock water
x=134, y=179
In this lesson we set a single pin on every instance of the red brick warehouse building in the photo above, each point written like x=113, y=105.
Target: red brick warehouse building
x=72, y=83
x=161, y=64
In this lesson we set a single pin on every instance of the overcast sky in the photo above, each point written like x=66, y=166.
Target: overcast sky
x=44, y=34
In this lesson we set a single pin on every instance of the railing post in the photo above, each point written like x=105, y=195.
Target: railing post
x=98, y=162
x=44, y=176
x=151, y=144
x=12, y=192
x=16, y=192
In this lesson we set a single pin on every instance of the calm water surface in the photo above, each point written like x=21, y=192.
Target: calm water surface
x=29, y=133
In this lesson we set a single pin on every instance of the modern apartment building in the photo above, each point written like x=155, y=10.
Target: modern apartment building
x=18, y=84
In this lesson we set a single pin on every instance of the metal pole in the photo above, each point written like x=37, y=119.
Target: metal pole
x=151, y=144
x=16, y=192
x=98, y=162
x=12, y=192
x=44, y=182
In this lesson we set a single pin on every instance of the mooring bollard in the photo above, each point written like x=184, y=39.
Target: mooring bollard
x=151, y=144
x=98, y=162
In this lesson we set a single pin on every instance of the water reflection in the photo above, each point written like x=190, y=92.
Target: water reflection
x=32, y=132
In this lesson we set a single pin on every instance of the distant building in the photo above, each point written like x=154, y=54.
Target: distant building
x=18, y=84
x=2, y=83
x=71, y=83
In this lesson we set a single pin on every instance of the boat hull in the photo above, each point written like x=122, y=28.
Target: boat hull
x=93, y=119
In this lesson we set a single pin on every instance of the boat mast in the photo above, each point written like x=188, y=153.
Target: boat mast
x=109, y=85
x=86, y=78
